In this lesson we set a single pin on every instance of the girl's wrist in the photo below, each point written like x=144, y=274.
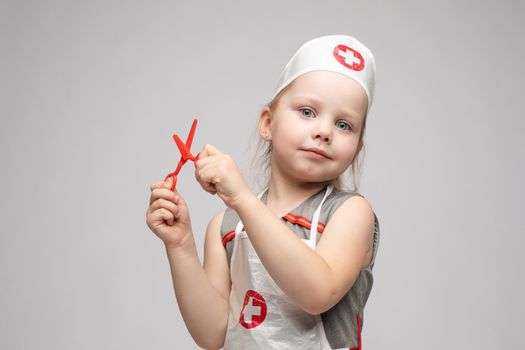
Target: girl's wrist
x=186, y=244
x=243, y=200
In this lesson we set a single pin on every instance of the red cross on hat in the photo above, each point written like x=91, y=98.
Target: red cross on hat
x=349, y=57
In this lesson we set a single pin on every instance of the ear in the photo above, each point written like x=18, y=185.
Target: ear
x=265, y=124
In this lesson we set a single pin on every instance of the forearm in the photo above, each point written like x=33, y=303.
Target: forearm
x=298, y=270
x=203, y=309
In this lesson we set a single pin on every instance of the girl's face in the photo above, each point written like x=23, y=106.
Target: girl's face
x=315, y=127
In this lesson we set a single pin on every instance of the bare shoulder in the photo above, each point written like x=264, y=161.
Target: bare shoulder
x=348, y=235
x=359, y=208
x=357, y=215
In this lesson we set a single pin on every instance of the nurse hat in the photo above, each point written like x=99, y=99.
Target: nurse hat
x=337, y=53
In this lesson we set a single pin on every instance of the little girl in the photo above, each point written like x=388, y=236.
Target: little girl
x=291, y=267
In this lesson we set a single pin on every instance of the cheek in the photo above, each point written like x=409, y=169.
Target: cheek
x=288, y=132
x=347, y=150
x=282, y=142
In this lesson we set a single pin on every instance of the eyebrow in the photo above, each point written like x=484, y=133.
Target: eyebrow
x=347, y=112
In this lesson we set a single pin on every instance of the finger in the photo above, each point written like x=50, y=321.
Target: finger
x=177, y=198
x=203, y=153
x=166, y=204
x=164, y=193
x=168, y=182
x=154, y=218
x=207, y=178
x=202, y=162
x=208, y=187
x=156, y=185
x=210, y=169
x=209, y=150
x=212, y=150
x=211, y=190
x=165, y=215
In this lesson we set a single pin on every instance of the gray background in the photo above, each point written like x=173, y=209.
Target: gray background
x=91, y=92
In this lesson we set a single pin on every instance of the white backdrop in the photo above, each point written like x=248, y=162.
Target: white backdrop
x=91, y=92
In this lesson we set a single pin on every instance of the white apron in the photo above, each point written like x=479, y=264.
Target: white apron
x=261, y=315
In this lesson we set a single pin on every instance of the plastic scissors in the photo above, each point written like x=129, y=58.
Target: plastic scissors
x=186, y=155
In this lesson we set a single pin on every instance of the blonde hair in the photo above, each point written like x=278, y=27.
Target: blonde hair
x=263, y=154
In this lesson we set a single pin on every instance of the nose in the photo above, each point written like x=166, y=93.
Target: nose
x=323, y=130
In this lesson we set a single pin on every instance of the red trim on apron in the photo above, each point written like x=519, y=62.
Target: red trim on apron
x=359, y=347
x=228, y=237
x=294, y=219
x=301, y=220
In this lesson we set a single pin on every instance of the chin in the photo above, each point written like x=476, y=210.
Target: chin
x=315, y=179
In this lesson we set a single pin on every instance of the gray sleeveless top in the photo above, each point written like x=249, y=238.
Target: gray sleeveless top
x=344, y=321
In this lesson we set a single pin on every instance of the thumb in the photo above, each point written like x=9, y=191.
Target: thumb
x=209, y=150
x=168, y=183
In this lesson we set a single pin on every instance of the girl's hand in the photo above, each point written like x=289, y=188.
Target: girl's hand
x=168, y=216
x=218, y=174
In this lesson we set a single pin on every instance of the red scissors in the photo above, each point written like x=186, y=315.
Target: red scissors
x=186, y=155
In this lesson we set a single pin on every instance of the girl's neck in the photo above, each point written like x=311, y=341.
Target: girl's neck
x=285, y=195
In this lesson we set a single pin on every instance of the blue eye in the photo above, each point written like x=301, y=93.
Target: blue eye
x=341, y=124
x=307, y=112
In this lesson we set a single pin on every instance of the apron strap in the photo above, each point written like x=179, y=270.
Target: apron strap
x=315, y=218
